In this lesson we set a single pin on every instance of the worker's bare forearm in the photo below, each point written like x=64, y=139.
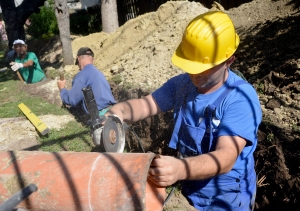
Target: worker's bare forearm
x=29, y=63
x=213, y=163
x=166, y=170
x=135, y=109
x=203, y=166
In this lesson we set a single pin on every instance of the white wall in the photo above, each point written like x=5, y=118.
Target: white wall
x=89, y=3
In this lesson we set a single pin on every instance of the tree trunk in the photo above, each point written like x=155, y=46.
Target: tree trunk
x=15, y=17
x=109, y=15
x=63, y=22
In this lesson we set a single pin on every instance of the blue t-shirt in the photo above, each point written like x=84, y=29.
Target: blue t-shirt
x=89, y=76
x=239, y=114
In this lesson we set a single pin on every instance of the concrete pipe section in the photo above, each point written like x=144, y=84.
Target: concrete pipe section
x=80, y=181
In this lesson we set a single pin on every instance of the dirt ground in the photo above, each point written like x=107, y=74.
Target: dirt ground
x=136, y=59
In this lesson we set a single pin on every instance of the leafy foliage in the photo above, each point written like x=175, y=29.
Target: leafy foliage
x=44, y=23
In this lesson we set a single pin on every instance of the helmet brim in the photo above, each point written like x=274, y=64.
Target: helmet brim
x=196, y=67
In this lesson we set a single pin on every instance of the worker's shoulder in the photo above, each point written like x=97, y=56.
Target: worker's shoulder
x=31, y=54
x=242, y=86
x=92, y=69
x=243, y=92
x=90, y=66
x=238, y=73
x=182, y=78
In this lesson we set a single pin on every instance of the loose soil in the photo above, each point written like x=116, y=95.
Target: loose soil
x=136, y=59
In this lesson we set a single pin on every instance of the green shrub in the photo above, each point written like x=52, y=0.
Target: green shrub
x=116, y=79
x=44, y=23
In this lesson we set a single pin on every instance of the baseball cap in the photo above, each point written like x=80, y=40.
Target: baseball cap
x=84, y=51
x=18, y=41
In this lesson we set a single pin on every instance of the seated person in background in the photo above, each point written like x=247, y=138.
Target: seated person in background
x=11, y=56
x=89, y=75
x=27, y=64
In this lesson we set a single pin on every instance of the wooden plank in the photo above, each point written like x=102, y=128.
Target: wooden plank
x=39, y=125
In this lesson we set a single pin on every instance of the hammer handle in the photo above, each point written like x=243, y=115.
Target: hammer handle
x=19, y=76
x=61, y=76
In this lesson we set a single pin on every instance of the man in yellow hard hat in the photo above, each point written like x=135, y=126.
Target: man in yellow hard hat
x=216, y=113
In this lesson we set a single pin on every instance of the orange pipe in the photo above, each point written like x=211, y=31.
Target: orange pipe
x=80, y=181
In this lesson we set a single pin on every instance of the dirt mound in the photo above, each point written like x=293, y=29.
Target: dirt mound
x=137, y=56
x=140, y=51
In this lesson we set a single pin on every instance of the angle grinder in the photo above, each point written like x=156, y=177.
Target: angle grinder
x=111, y=133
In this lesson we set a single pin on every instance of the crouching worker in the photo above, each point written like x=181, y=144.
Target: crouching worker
x=216, y=114
x=26, y=64
x=88, y=75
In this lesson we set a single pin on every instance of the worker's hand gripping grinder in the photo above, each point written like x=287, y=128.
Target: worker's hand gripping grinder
x=108, y=130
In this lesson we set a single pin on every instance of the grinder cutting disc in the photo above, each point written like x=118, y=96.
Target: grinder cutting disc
x=113, y=134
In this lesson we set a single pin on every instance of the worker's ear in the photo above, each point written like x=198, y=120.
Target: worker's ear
x=77, y=62
x=230, y=61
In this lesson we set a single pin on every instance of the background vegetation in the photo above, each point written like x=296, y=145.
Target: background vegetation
x=82, y=22
x=43, y=24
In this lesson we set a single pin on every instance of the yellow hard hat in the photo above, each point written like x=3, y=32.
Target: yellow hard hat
x=208, y=40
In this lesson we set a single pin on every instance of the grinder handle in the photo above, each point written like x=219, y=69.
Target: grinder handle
x=90, y=103
x=15, y=199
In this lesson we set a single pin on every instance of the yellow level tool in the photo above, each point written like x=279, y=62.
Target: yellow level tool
x=42, y=128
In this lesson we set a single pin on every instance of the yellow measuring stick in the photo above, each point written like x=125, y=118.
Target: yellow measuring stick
x=42, y=128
